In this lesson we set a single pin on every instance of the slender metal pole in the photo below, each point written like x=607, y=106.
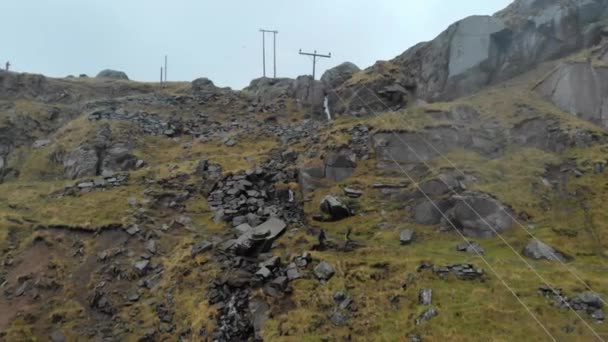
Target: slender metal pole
x=274, y=44
x=165, y=68
x=264, y=51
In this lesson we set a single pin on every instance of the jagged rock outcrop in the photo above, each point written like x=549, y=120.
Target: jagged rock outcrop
x=21, y=85
x=102, y=152
x=485, y=137
x=304, y=90
x=113, y=74
x=475, y=52
x=580, y=89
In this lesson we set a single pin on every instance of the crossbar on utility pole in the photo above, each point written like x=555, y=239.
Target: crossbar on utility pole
x=314, y=55
x=274, y=54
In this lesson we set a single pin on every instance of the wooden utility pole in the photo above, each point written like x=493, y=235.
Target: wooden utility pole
x=161, y=76
x=165, y=68
x=314, y=55
x=274, y=44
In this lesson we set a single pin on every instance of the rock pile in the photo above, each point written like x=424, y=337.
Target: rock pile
x=110, y=180
x=254, y=241
x=290, y=133
x=153, y=124
x=460, y=271
x=239, y=317
x=588, y=302
x=343, y=305
x=251, y=196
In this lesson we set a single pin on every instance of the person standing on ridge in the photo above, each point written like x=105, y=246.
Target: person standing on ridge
x=8, y=64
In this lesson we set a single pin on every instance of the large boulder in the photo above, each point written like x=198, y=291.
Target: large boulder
x=113, y=74
x=304, y=90
x=266, y=90
x=538, y=250
x=479, y=215
x=258, y=239
x=202, y=84
x=427, y=212
x=309, y=92
x=324, y=271
x=333, y=207
x=336, y=76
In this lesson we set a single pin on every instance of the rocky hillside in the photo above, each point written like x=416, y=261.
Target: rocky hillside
x=479, y=51
x=460, y=195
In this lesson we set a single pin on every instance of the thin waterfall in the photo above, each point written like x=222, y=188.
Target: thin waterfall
x=326, y=107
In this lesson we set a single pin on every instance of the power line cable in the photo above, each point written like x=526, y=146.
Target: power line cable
x=471, y=208
x=466, y=240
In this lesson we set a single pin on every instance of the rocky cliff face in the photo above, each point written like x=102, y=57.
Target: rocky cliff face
x=479, y=51
x=580, y=89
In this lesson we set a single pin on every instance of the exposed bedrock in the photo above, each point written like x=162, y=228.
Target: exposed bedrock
x=475, y=52
x=580, y=89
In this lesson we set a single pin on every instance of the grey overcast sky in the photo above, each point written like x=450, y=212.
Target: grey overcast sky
x=217, y=39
